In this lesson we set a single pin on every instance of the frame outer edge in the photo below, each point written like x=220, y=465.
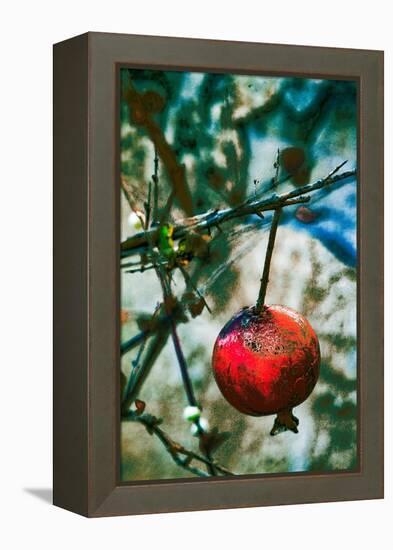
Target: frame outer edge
x=70, y=270
x=372, y=275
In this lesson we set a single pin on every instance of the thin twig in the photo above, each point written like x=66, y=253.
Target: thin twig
x=214, y=218
x=183, y=367
x=189, y=282
x=134, y=372
x=168, y=298
x=159, y=323
x=133, y=342
x=137, y=378
x=148, y=206
x=277, y=167
x=189, y=390
x=268, y=258
x=167, y=208
x=131, y=264
x=139, y=269
x=155, y=187
x=175, y=449
x=176, y=342
x=127, y=192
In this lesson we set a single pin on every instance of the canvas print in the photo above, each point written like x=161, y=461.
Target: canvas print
x=238, y=266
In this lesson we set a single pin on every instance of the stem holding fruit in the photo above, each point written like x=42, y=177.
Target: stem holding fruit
x=268, y=258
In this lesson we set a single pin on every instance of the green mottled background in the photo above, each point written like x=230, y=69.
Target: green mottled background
x=226, y=129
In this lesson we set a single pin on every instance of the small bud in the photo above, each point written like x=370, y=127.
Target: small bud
x=191, y=413
x=203, y=423
x=140, y=406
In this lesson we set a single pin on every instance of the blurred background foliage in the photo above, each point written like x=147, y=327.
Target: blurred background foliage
x=217, y=137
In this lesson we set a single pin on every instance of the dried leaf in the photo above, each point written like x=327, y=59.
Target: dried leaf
x=195, y=304
x=197, y=244
x=196, y=307
x=210, y=441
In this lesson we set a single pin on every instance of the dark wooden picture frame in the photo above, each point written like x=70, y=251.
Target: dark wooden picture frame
x=86, y=275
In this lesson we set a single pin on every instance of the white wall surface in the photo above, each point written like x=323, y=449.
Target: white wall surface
x=28, y=28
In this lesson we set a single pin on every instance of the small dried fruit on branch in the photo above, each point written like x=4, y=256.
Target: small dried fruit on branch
x=305, y=215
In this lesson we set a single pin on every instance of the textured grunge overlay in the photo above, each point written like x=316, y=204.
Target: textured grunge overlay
x=194, y=144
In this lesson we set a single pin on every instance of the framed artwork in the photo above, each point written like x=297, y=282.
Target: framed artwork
x=218, y=261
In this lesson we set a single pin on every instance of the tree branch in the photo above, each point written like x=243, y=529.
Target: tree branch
x=140, y=241
x=151, y=424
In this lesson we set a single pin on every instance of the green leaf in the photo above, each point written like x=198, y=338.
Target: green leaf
x=165, y=241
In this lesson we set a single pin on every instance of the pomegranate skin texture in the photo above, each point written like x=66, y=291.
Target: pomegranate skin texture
x=267, y=363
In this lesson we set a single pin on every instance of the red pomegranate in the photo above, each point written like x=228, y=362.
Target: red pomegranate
x=267, y=362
